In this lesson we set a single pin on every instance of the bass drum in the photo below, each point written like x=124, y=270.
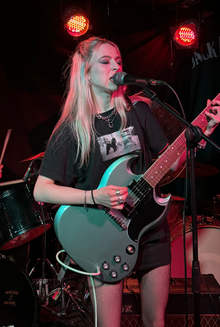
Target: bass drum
x=19, y=305
x=208, y=247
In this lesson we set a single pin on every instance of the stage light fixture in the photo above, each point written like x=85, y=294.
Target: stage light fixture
x=185, y=35
x=75, y=21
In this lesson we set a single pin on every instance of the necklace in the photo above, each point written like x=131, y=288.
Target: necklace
x=109, y=119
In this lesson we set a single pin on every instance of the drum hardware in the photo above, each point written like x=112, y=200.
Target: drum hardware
x=216, y=207
x=42, y=282
x=42, y=290
x=49, y=264
x=10, y=230
x=38, y=215
x=66, y=298
x=210, y=207
x=61, y=298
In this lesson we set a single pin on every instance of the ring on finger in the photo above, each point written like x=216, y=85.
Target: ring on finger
x=117, y=192
x=120, y=200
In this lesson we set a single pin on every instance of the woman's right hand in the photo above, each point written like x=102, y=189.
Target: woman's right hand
x=111, y=196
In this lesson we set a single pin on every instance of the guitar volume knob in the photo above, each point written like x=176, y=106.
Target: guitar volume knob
x=117, y=258
x=130, y=249
x=105, y=265
x=125, y=266
x=113, y=274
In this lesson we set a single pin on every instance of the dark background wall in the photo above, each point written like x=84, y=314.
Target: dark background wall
x=35, y=48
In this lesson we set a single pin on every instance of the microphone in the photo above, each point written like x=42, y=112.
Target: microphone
x=27, y=175
x=123, y=78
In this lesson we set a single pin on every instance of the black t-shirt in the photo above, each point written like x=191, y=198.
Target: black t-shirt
x=142, y=136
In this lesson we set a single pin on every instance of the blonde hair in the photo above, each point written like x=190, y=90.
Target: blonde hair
x=80, y=103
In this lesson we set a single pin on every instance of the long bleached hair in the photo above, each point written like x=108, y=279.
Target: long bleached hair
x=80, y=104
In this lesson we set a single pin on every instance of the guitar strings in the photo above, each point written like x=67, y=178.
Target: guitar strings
x=141, y=188
x=172, y=156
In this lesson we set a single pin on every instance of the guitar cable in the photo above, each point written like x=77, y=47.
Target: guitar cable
x=83, y=273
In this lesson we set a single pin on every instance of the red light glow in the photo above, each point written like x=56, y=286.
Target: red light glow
x=77, y=25
x=185, y=36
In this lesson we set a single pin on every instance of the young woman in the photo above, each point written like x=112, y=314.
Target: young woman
x=98, y=125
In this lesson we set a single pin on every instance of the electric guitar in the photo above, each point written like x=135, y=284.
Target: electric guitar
x=109, y=238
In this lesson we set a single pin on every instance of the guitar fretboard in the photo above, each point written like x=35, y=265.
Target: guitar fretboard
x=161, y=166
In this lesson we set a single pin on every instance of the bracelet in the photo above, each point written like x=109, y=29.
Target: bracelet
x=85, y=204
x=93, y=197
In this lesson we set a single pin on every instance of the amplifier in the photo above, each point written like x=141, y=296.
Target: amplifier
x=130, y=320
x=209, y=296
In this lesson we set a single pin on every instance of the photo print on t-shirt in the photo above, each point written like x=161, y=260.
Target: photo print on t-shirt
x=114, y=145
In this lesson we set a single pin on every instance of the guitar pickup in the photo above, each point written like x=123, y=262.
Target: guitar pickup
x=140, y=189
x=128, y=211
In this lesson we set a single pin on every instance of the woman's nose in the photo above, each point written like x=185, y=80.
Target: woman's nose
x=115, y=66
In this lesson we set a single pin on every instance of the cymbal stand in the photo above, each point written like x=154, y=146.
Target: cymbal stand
x=63, y=295
x=43, y=282
x=73, y=300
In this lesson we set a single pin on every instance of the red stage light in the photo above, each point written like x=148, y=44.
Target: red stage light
x=185, y=36
x=75, y=21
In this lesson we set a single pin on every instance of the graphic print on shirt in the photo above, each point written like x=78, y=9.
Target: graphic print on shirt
x=114, y=145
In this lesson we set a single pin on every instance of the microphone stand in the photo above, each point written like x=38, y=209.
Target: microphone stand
x=193, y=136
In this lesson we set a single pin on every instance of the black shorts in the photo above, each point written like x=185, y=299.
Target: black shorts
x=154, y=254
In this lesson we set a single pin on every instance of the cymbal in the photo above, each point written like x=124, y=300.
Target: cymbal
x=170, y=175
x=39, y=155
x=201, y=170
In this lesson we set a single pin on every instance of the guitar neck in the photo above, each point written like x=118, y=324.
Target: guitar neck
x=162, y=165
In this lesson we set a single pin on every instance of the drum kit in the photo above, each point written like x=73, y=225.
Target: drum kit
x=23, y=220
x=23, y=223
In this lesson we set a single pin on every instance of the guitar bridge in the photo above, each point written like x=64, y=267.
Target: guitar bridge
x=115, y=215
